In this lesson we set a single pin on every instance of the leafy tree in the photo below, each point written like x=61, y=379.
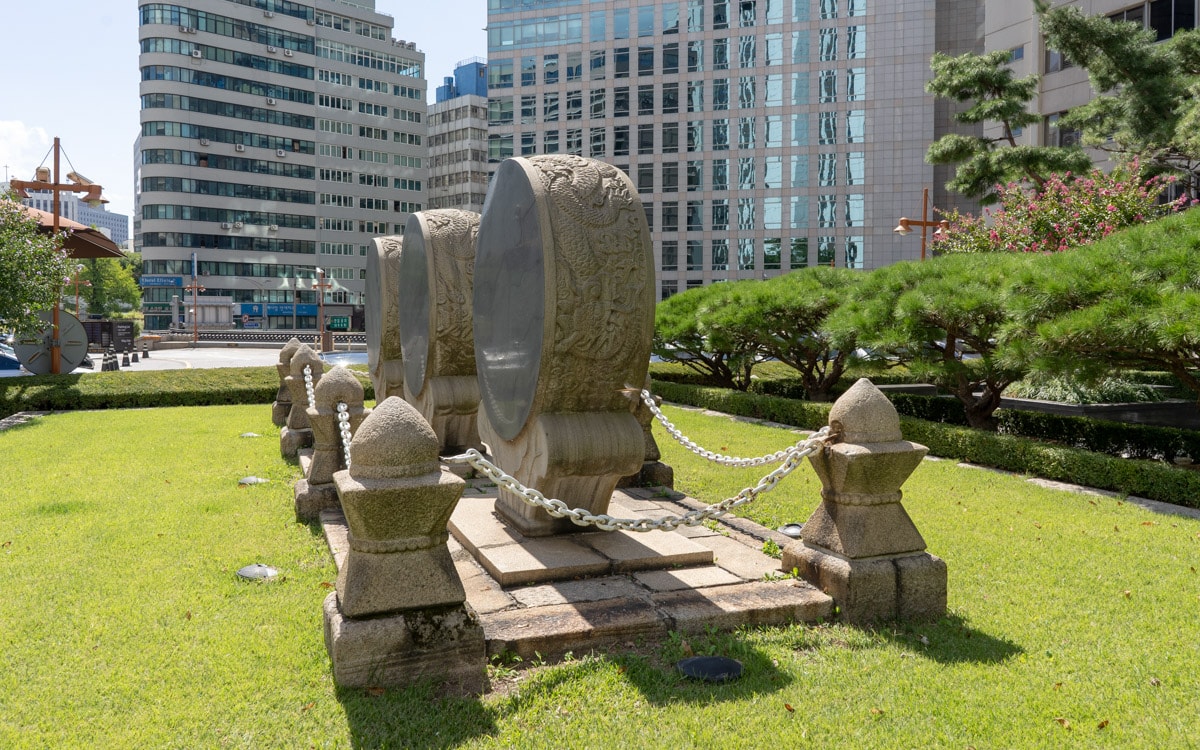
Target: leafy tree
x=1062, y=214
x=113, y=284
x=943, y=319
x=689, y=330
x=995, y=95
x=1130, y=301
x=32, y=267
x=785, y=316
x=1147, y=106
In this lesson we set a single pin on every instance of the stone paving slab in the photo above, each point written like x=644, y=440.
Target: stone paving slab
x=553, y=595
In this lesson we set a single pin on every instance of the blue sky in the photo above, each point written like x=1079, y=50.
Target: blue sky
x=70, y=70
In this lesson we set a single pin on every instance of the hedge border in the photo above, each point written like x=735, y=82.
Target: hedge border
x=1146, y=479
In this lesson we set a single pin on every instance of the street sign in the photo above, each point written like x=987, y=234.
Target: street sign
x=251, y=324
x=339, y=322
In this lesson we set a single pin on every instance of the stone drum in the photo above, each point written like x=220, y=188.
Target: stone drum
x=436, y=271
x=382, y=319
x=564, y=315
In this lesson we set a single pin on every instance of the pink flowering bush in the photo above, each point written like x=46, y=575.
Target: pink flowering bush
x=1064, y=212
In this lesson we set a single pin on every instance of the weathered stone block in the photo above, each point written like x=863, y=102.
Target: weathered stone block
x=443, y=646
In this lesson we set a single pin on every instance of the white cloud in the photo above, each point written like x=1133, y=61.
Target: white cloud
x=22, y=148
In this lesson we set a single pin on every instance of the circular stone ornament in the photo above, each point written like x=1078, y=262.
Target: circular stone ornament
x=711, y=668
x=510, y=297
x=564, y=291
x=257, y=572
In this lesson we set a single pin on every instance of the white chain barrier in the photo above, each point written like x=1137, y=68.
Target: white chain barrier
x=343, y=418
x=772, y=458
x=308, y=386
x=792, y=458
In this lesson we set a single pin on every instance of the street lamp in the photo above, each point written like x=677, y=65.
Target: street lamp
x=906, y=224
x=44, y=180
x=326, y=339
x=195, y=288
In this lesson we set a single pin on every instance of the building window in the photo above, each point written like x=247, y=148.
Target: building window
x=1063, y=137
x=720, y=214
x=720, y=254
x=670, y=218
x=621, y=101
x=670, y=177
x=695, y=255
x=646, y=138
x=574, y=105
x=670, y=255
x=646, y=100
x=670, y=58
x=720, y=174
x=646, y=61
x=798, y=255
x=645, y=178
x=745, y=254
x=599, y=102
x=670, y=98
x=670, y=138
x=720, y=54
x=621, y=140
x=695, y=216
x=695, y=176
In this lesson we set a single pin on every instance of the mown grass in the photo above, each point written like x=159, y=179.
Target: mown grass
x=1072, y=618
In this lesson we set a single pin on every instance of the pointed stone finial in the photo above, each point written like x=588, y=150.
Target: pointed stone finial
x=395, y=441
x=339, y=384
x=864, y=415
x=289, y=350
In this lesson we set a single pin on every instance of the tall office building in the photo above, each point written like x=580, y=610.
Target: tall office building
x=277, y=137
x=458, y=162
x=114, y=226
x=762, y=135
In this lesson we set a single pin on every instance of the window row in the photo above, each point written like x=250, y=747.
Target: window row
x=236, y=164
x=226, y=83
x=716, y=95
x=752, y=253
x=750, y=213
x=692, y=136
x=188, y=49
x=647, y=60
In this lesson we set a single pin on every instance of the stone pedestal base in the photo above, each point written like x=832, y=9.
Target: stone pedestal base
x=279, y=412
x=311, y=499
x=291, y=441
x=911, y=587
x=653, y=474
x=445, y=646
x=388, y=581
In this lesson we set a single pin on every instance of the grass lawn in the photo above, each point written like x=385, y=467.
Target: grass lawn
x=1073, y=619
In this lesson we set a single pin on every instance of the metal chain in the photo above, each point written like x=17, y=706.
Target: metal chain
x=557, y=508
x=343, y=417
x=308, y=386
x=772, y=458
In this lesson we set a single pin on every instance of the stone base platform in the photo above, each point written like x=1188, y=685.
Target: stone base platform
x=596, y=588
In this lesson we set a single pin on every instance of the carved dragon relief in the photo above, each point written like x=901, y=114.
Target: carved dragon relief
x=452, y=235
x=602, y=275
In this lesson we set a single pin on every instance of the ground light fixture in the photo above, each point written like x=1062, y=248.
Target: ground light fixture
x=711, y=668
x=257, y=572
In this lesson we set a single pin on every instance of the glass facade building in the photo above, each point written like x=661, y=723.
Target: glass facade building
x=762, y=135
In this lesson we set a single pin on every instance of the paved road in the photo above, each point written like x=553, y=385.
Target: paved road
x=201, y=357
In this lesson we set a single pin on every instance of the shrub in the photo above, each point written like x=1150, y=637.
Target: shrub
x=1147, y=479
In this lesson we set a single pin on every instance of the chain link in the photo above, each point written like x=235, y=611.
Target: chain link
x=772, y=458
x=792, y=457
x=308, y=387
x=343, y=417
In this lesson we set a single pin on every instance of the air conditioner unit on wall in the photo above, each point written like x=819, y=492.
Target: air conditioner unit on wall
x=226, y=225
x=186, y=30
x=273, y=228
x=287, y=53
x=239, y=147
x=268, y=14
x=310, y=21
x=237, y=225
x=271, y=101
x=272, y=49
x=280, y=153
x=197, y=54
x=203, y=141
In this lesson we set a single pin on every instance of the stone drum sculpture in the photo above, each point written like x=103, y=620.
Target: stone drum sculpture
x=436, y=271
x=382, y=320
x=564, y=314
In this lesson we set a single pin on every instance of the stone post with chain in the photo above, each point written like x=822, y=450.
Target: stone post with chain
x=316, y=491
x=860, y=546
x=399, y=614
x=283, y=398
x=297, y=433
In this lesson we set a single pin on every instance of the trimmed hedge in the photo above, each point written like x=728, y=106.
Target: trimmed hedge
x=152, y=388
x=1148, y=479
